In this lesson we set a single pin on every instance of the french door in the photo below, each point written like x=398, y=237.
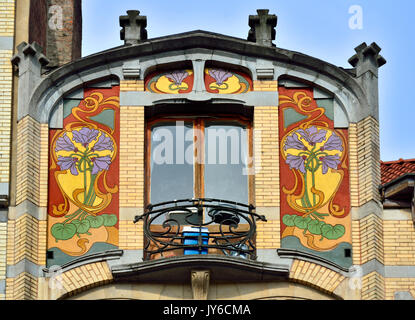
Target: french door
x=198, y=157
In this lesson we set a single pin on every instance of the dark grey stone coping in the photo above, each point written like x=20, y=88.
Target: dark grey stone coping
x=204, y=40
x=222, y=268
x=88, y=259
x=305, y=256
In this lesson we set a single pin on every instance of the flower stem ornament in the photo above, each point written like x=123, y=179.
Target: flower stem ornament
x=88, y=153
x=307, y=152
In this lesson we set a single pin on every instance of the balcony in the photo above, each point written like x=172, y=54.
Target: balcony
x=199, y=227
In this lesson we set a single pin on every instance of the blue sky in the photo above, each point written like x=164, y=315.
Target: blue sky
x=319, y=28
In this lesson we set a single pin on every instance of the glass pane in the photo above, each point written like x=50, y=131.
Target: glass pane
x=171, y=162
x=226, y=158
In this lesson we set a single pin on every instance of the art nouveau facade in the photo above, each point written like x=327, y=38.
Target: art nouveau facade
x=121, y=180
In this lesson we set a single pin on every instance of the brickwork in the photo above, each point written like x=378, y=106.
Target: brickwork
x=394, y=285
x=131, y=85
x=356, y=243
x=7, y=17
x=399, y=243
x=267, y=186
x=132, y=157
x=24, y=287
x=131, y=236
x=265, y=85
x=43, y=165
x=354, y=167
x=28, y=161
x=371, y=239
x=315, y=276
x=86, y=277
x=373, y=287
x=5, y=113
x=268, y=235
x=64, y=44
x=368, y=151
x=3, y=252
x=26, y=239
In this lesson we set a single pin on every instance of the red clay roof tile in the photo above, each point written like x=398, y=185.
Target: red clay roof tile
x=394, y=169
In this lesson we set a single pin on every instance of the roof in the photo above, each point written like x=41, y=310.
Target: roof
x=394, y=169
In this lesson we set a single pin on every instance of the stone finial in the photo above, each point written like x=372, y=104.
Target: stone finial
x=29, y=56
x=367, y=58
x=262, y=28
x=30, y=60
x=133, y=27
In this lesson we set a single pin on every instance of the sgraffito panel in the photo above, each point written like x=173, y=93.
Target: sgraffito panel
x=171, y=82
x=83, y=206
x=315, y=196
x=222, y=81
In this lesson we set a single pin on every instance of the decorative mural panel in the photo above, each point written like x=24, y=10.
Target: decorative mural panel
x=83, y=209
x=226, y=82
x=172, y=82
x=315, y=196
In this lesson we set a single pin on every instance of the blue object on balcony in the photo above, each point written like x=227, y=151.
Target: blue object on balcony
x=191, y=237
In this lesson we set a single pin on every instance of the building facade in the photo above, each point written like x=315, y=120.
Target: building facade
x=193, y=166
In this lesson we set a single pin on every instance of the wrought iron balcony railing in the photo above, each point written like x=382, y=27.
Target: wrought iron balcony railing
x=199, y=226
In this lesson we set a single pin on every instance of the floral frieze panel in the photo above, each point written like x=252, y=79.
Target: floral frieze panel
x=221, y=81
x=171, y=82
x=315, y=196
x=84, y=178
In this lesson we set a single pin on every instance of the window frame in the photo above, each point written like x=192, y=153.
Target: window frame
x=198, y=138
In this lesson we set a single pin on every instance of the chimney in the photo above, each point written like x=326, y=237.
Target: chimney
x=64, y=31
x=262, y=28
x=133, y=27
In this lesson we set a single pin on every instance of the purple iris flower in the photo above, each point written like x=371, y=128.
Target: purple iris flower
x=296, y=162
x=104, y=143
x=85, y=136
x=65, y=144
x=100, y=164
x=312, y=135
x=333, y=143
x=177, y=77
x=220, y=75
x=68, y=163
x=330, y=162
x=294, y=143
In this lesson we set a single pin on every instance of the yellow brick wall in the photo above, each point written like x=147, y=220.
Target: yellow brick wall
x=26, y=239
x=267, y=186
x=356, y=243
x=5, y=111
x=354, y=166
x=132, y=157
x=315, y=276
x=393, y=285
x=131, y=235
x=131, y=85
x=3, y=253
x=43, y=165
x=28, y=161
x=266, y=85
x=86, y=277
x=399, y=243
x=371, y=239
x=7, y=11
x=24, y=287
x=268, y=235
x=373, y=287
x=368, y=150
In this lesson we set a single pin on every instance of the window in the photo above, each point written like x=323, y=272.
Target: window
x=199, y=157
